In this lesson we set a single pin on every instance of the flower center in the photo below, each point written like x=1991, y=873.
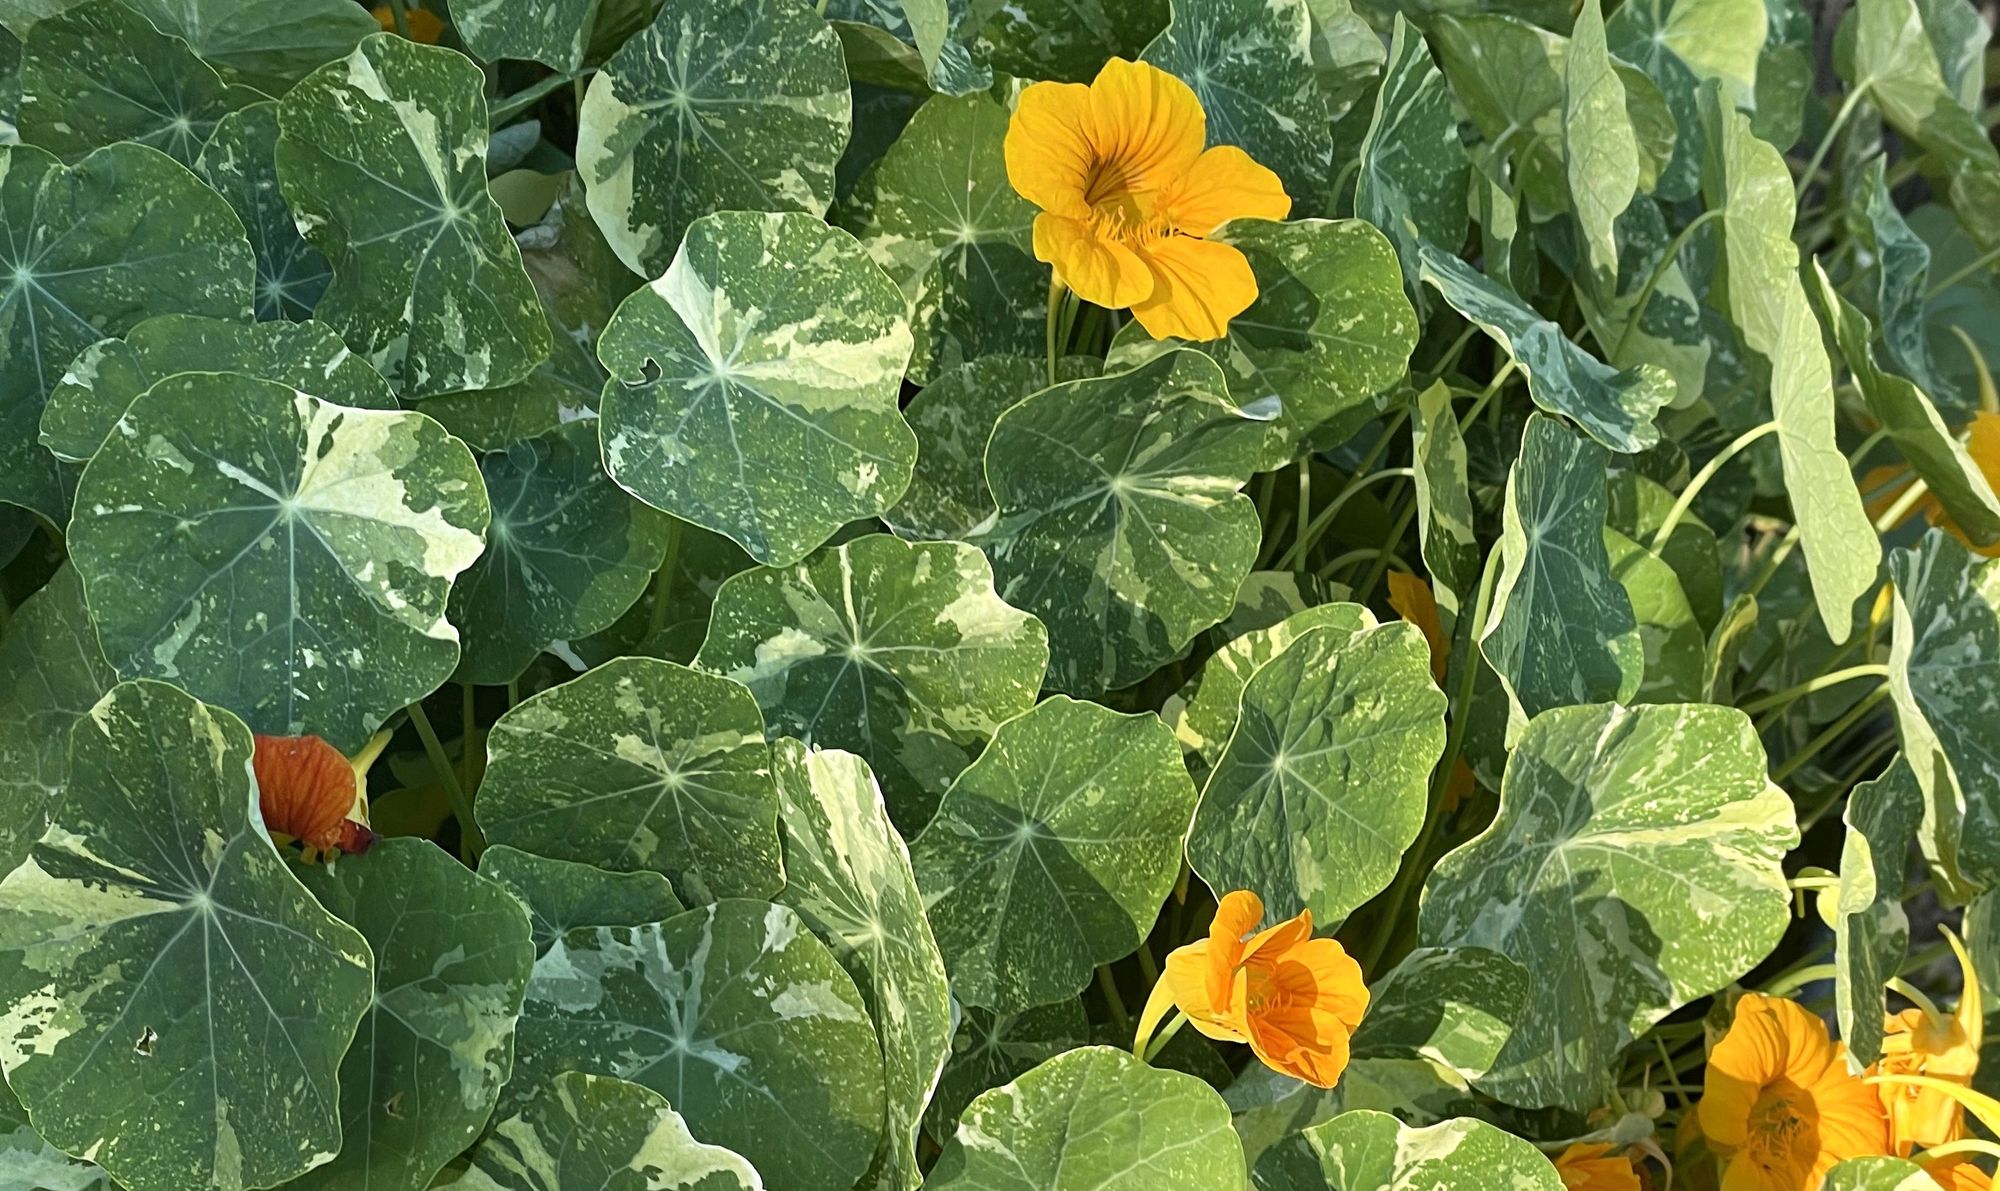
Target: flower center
x=1123, y=204
x=1783, y=1135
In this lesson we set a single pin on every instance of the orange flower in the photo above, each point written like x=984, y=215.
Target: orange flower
x=1923, y=1041
x=1295, y=999
x=1413, y=600
x=1956, y=1172
x=1883, y=486
x=309, y=792
x=425, y=25
x=1778, y=1105
x=1593, y=1167
x=1128, y=194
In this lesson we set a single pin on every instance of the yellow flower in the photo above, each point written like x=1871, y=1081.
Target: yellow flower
x=1128, y=194
x=1778, y=1105
x=1295, y=999
x=425, y=25
x=1886, y=484
x=1593, y=1167
x=1924, y=1042
x=1956, y=1172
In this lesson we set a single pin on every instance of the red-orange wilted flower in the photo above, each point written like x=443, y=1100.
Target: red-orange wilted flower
x=1295, y=999
x=1592, y=1166
x=425, y=26
x=311, y=793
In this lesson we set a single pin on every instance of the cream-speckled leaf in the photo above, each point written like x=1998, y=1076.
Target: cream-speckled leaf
x=1327, y=338
x=754, y=386
x=1052, y=853
x=51, y=673
x=896, y=651
x=738, y=1015
x=596, y=1131
x=1414, y=173
x=1944, y=673
x=1879, y=1174
x=1562, y=630
x=568, y=552
x=26, y=1156
x=1324, y=782
x=1634, y=866
x=240, y=161
x=1250, y=63
x=451, y=962
x=1454, y=1006
x=269, y=44
x=1203, y=713
x=109, y=375
x=1122, y=524
x=1679, y=43
x=640, y=764
x=176, y=1003
x=284, y=557
x=940, y=217
x=92, y=249
x=717, y=105
x=382, y=157
x=100, y=73
x=989, y=1049
x=1095, y=1119
x=1749, y=182
x=554, y=32
x=1368, y=1149
x=1067, y=40
x=1901, y=281
x=848, y=875
x=1445, y=526
x=1906, y=412
x=1871, y=929
x=953, y=418
x=1615, y=408
x=1674, y=649
x=1600, y=149
x=561, y=895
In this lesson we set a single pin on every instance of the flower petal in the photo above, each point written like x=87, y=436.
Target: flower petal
x=1306, y=1044
x=1199, y=286
x=1048, y=147
x=305, y=788
x=1224, y=183
x=1099, y=268
x=1236, y=915
x=1148, y=129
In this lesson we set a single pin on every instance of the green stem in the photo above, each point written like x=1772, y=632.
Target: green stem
x=1793, y=981
x=1052, y=328
x=1826, y=142
x=663, y=580
x=1302, y=540
x=1839, y=789
x=1109, y=987
x=401, y=15
x=1309, y=535
x=1701, y=478
x=1388, y=552
x=1668, y=1060
x=467, y=718
x=1789, y=694
x=520, y=101
x=1166, y=1034
x=1659, y=273
x=1894, y=514
x=1986, y=259
x=1833, y=732
x=471, y=842
x=1452, y=353
x=1779, y=553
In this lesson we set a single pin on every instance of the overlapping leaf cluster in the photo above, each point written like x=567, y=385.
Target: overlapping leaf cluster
x=824, y=685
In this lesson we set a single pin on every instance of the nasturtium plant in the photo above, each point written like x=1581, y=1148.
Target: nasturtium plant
x=869, y=595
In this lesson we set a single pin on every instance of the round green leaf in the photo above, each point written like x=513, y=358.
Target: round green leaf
x=451, y=962
x=1329, y=335
x=1250, y=63
x=100, y=73
x=25, y=1155
x=726, y=105
x=240, y=161
x=269, y=44
x=1373, y=1149
x=900, y=652
x=1204, y=712
x=1095, y=1119
x=640, y=764
x=1067, y=39
x=92, y=249
x=286, y=558
x=1052, y=852
x=110, y=374
x=556, y=34
x=383, y=159
x=1413, y=175
x=754, y=386
x=1121, y=521
x=51, y=673
x=1634, y=866
x=953, y=418
x=1454, y=1006
x=177, y=1004
x=567, y=554
x=1675, y=648
x=848, y=875
x=1325, y=781
x=561, y=895
x=738, y=1015
x=989, y=1049
x=941, y=218
x=596, y=1131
